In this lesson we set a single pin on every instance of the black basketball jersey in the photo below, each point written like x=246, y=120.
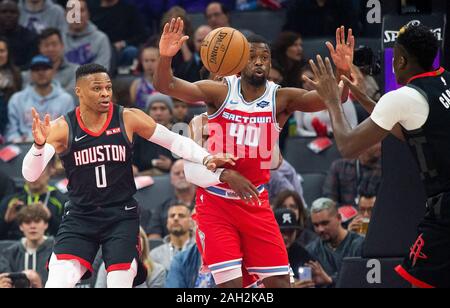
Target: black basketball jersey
x=430, y=144
x=99, y=165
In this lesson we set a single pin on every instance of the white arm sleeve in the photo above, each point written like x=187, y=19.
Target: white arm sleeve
x=405, y=106
x=35, y=162
x=199, y=175
x=179, y=145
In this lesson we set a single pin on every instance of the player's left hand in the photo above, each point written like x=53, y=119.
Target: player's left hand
x=325, y=82
x=219, y=160
x=344, y=48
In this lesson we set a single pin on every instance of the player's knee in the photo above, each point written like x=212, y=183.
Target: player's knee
x=123, y=278
x=64, y=273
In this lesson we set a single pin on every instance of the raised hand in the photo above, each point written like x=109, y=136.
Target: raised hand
x=325, y=82
x=40, y=129
x=344, y=48
x=172, y=38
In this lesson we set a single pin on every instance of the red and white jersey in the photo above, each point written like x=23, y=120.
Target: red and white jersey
x=248, y=130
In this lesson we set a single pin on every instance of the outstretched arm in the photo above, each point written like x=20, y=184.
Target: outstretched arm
x=350, y=142
x=138, y=122
x=206, y=90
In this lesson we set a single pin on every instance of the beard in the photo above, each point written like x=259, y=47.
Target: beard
x=255, y=81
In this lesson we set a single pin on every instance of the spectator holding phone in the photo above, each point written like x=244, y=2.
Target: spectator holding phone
x=31, y=253
x=335, y=243
x=298, y=256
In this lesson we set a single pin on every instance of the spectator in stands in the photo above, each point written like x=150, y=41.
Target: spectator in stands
x=288, y=52
x=142, y=88
x=187, y=49
x=347, y=178
x=10, y=82
x=156, y=274
x=217, y=15
x=22, y=42
x=190, y=70
x=37, y=15
x=335, y=242
x=85, y=43
x=184, y=193
x=291, y=200
x=151, y=12
x=149, y=158
x=123, y=25
x=45, y=95
x=298, y=256
x=32, y=252
x=6, y=185
x=51, y=45
x=40, y=191
x=360, y=223
x=179, y=225
x=180, y=112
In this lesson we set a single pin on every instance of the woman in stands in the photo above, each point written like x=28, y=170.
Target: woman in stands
x=10, y=82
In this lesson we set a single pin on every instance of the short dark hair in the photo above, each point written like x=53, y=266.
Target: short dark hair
x=33, y=212
x=420, y=43
x=49, y=32
x=258, y=39
x=89, y=69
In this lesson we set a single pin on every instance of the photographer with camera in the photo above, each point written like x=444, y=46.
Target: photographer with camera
x=31, y=253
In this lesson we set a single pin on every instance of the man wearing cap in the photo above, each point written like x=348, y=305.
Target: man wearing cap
x=149, y=158
x=335, y=242
x=298, y=256
x=45, y=95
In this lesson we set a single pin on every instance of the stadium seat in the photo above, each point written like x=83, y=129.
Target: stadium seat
x=312, y=187
x=13, y=168
x=153, y=243
x=305, y=161
x=359, y=272
x=156, y=194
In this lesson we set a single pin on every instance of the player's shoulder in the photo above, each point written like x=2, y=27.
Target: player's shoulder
x=60, y=122
x=403, y=94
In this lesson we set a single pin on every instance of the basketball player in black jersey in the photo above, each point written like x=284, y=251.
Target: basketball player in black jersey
x=95, y=145
x=418, y=113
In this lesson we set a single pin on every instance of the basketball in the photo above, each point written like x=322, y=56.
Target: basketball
x=225, y=51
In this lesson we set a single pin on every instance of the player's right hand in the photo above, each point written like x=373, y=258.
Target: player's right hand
x=172, y=38
x=40, y=129
x=241, y=186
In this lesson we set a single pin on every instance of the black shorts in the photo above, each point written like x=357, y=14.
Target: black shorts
x=115, y=228
x=428, y=262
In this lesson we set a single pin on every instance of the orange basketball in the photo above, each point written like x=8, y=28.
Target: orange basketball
x=225, y=51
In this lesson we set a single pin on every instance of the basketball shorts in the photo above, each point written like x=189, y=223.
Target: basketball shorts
x=428, y=262
x=114, y=227
x=232, y=234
